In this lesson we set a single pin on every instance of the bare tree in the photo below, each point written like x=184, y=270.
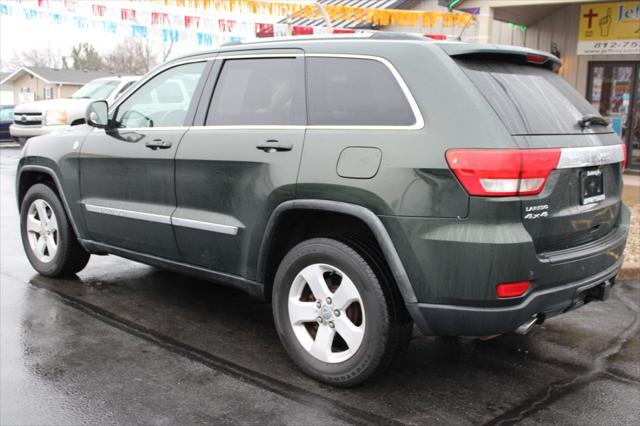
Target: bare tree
x=131, y=56
x=38, y=57
x=86, y=57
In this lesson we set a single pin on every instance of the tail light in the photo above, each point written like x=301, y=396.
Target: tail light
x=503, y=172
x=624, y=155
x=506, y=290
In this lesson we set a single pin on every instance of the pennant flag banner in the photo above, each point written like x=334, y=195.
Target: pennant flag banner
x=139, y=31
x=212, y=22
x=360, y=15
x=170, y=35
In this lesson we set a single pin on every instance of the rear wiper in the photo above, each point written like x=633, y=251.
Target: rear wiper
x=590, y=119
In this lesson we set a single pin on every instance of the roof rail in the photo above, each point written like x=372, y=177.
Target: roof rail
x=357, y=34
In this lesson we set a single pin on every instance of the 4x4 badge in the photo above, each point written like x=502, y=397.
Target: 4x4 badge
x=536, y=212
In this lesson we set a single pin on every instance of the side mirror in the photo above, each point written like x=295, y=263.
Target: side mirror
x=97, y=114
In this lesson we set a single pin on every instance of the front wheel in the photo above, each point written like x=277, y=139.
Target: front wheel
x=332, y=314
x=48, y=239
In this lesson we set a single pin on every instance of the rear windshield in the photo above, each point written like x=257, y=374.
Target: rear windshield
x=529, y=100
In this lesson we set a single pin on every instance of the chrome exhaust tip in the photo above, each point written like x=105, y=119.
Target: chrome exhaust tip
x=527, y=326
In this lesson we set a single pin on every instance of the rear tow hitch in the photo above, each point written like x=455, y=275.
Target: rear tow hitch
x=598, y=293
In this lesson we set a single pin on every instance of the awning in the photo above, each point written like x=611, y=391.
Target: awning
x=372, y=4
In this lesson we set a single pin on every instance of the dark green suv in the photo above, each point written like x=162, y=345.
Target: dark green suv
x=360, y=183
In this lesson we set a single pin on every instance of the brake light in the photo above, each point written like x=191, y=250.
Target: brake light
x=502, y=172
x=436, y=36
x=624, y=155
x=536, y=59
x=506, y=290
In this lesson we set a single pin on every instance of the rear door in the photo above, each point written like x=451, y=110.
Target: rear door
x=242, y=160
x=127, y=175
x=581, y=201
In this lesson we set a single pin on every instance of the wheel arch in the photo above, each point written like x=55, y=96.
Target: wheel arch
x=29, y=175
x=367, y=217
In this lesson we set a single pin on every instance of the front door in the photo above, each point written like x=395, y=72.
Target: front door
x=127, y=177
x=232, y=171
x=614, y=89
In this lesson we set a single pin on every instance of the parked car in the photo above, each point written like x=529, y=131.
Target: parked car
x=361, y=184
x=6, y=118
x=42, y=117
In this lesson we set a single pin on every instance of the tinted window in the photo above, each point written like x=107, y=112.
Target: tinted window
x=528, y=100
x=355, y=92
x=124, y=88
x=259, y=91
x=163, y=101
x=96, y=90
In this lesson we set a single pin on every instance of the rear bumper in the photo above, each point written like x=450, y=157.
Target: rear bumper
x=450, y=320
x=454, y=269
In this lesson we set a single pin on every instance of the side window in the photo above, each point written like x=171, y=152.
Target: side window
x=124, y=89
x=163, y=101
x=260, y=91
x=355, y=92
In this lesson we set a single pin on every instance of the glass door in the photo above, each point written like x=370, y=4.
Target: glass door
x=634, y=133
x=614, y=90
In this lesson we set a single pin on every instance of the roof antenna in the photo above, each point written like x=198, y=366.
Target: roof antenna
x=459, y=38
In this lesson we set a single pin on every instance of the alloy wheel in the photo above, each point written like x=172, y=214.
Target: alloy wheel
x=42, y=230
x=327, y=313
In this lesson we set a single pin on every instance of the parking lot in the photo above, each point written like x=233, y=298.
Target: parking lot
x=128, y=343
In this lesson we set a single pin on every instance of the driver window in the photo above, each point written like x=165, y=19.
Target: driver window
x=163, y=101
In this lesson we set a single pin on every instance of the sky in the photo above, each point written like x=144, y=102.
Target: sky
x=17, y=33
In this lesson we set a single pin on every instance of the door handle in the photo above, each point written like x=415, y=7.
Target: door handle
x=273, y=145
x=158, y=144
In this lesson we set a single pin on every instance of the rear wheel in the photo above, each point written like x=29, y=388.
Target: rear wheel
x=332, y=314
x=48, y=239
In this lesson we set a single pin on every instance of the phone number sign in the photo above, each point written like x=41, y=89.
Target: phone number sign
x=609, y=28
x=615, y=47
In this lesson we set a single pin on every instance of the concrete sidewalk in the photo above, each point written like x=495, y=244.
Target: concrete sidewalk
x=631, y=197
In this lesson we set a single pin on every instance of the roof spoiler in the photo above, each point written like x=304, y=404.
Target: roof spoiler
x=520, y=55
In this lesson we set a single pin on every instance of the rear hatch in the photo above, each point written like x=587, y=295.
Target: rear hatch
x=579, y=200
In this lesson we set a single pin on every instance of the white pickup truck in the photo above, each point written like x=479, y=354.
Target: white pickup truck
x=41, y=117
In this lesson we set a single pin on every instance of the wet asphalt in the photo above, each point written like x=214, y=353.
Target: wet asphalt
x=125, y=343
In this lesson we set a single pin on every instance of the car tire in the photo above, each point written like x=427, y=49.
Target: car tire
x=50, y=244
x=363, y=337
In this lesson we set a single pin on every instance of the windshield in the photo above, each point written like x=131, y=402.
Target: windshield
x=529, y=100
x=97, y=90
x=6, y=114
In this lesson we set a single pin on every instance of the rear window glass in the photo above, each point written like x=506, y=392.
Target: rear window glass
x=529, y=100
x=355, y=92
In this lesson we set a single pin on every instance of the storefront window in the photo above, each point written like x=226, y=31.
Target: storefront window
x=614, y=90
x=634, y=157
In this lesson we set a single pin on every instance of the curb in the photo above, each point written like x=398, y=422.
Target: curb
x=629, y=274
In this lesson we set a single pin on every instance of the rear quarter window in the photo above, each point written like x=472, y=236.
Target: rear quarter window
x=355, y=92
x=529, y=100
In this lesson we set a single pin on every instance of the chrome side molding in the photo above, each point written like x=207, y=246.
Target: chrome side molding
x=130, y=214
x=164, y=219
x=205, y=226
